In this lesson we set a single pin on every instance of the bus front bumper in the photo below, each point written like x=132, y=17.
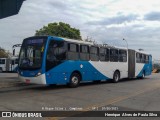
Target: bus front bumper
x=41, y=79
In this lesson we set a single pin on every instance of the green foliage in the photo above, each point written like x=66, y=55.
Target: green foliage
x=59, y=29
x=3, y=54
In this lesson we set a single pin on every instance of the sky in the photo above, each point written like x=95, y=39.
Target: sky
x=103, y=21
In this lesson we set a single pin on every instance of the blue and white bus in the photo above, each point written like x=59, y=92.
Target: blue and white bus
x=53, y=60
x=8, y=64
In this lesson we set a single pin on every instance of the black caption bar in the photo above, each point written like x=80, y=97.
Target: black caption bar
x=79, y=114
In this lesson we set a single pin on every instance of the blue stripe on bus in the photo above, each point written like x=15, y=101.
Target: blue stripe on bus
x=147, y=68
x=61, y=73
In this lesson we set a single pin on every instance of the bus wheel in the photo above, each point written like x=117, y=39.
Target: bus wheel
x=74, y=80
x=116, y=77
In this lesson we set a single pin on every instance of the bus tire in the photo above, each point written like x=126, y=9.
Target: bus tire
x=74, y=80
x=116, y=77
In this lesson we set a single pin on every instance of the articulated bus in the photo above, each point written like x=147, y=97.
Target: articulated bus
x=53, y=60
x=8, y=64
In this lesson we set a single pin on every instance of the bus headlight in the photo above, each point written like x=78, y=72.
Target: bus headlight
x=39, y=73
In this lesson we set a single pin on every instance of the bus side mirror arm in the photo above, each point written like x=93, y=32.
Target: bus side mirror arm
x=13, y=52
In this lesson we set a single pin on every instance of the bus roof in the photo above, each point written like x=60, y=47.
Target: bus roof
x=88, y=43
x=92, y=43
x=143, y=52
x=78, y=41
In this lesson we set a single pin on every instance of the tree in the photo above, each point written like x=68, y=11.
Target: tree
x=3, y=53
x=59, y=29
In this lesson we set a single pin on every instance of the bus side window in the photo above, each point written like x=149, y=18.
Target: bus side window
x=73, y=51
x=57, y=50
x=143, y=58
x=147, y=59
x=84, y=52
x=122, y=56
x=56, y=53
x=94, y=53
x=137, y=58
x=3, y=61
x=107, y=54
x=102, y=54
x=113, y=55
x=140, y=58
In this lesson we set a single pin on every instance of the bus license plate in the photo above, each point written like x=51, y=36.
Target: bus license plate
x=28, y=81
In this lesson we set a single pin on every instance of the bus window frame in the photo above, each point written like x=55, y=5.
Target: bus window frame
x=84, y=54
x=69, y=51
x=96, y=55
x=114, y=58
x=120, y=55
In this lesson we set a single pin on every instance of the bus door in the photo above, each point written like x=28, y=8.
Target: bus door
x=131, y=63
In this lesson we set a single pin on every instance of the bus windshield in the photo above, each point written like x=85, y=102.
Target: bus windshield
x=31, y=53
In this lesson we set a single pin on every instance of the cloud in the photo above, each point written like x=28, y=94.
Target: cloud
x=115, y=20
x=152, y=16
x=59, y=4
x=105, y=21
x=137, y=35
